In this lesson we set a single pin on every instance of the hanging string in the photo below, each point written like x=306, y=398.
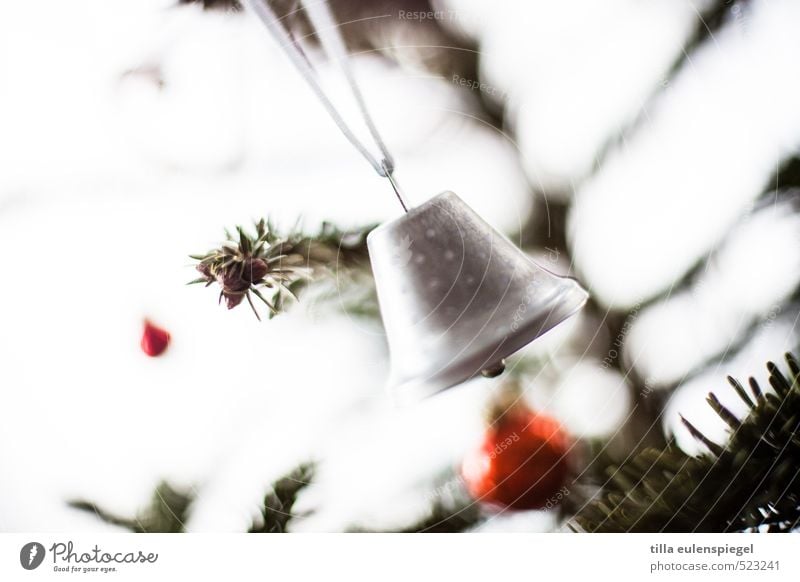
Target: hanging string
x=327, y=30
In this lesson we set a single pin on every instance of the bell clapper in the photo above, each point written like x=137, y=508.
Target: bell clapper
x=494, y=370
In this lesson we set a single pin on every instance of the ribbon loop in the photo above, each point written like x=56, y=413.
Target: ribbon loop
x=327, y=30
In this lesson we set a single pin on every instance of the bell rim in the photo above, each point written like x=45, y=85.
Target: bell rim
x=416, y=389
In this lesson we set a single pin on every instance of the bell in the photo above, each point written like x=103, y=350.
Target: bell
x=457, y=297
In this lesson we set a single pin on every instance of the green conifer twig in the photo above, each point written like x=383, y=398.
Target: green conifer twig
x=752, y=483
x=274, y=268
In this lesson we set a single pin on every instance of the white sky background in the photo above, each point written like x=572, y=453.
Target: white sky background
x=108, y=183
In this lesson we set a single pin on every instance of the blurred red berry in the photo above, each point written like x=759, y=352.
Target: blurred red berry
x=154, y=339
x=522, y=462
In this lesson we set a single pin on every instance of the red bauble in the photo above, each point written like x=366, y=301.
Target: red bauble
x=522, y=462
x=154, y=339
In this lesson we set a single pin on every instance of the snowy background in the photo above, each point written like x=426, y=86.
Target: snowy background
x=133, y=131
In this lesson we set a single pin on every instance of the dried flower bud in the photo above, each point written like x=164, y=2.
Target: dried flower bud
x=231, y=280
x=205, y=270
x=271, y=268
x=255, y=270
x=232, y=298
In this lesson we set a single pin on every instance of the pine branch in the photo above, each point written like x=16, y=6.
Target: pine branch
x=275, y=268
x=169, y=507
x=167, y=512
x=278, y=502
x=443, y=517
x=450, y=510
x=750, y=484
x=446, y=518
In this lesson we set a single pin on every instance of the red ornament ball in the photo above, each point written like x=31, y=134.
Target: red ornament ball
x=154, y=339
x=522, y=462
